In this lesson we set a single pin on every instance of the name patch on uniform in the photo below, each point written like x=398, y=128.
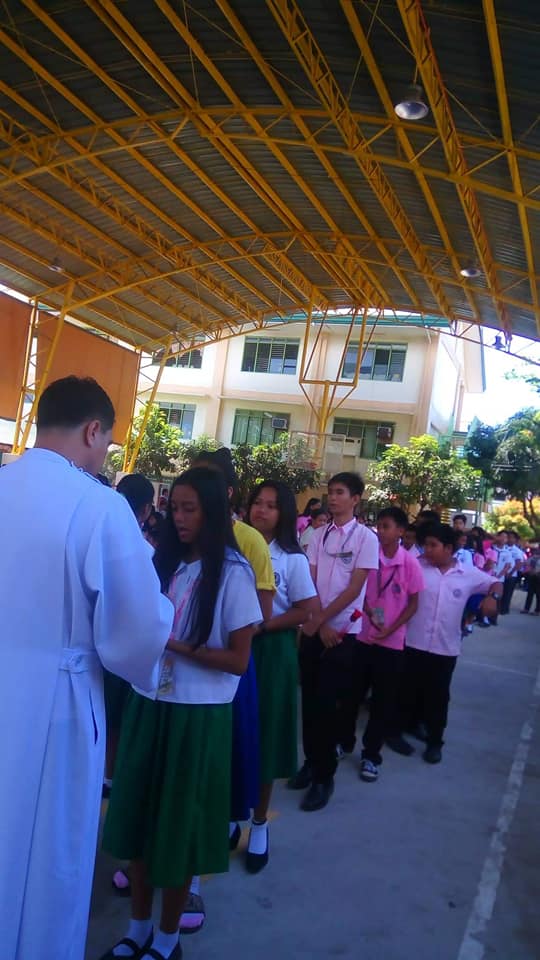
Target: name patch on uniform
x=277, y=579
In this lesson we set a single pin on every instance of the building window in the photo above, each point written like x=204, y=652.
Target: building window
x=270, y=355
x=372, y=437
x=254, y=426
x=380, y=362
x=191, y=360
x=181, y=415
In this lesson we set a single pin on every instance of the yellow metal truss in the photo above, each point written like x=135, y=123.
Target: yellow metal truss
x=410, y=153
x=422, y=48
x=297, y=32
x=137, y=46
x=504, y=112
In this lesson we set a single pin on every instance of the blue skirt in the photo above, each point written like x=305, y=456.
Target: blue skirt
x=245, y=747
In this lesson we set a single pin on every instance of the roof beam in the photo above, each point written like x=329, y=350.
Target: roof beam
x=143, y=53
x=122, y=94
x=506, y=125
x=361, y=38
x=48, y=151
x=424, y=54
x=176, y=117
x=141, y=336
x=359, y=276
x=301, y=284
x=110, y=203
x=294, y=27
x=25, y=216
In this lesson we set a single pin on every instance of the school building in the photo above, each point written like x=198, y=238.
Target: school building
x=412, y=381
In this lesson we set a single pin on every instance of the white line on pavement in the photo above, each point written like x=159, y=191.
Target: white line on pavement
x=495, y=666
x=472, y=947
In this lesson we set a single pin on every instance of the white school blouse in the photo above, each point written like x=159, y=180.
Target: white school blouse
x=237, y=606
x=292, y=578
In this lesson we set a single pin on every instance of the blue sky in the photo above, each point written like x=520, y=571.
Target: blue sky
x=504, y=397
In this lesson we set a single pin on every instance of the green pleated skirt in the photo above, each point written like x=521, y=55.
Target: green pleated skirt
x=170, y=798
x=276, y=664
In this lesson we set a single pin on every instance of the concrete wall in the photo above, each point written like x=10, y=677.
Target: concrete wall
x=425, y=400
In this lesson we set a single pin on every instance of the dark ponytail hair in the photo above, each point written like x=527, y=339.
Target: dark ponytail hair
x=285, y=532
x=215, y=536
x=307, y=511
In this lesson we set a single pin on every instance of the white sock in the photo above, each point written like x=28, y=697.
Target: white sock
x=232, y=827
x=165, y=942
x=139, y=931
x=258, y=837
x=195, y=886
x=107, y=782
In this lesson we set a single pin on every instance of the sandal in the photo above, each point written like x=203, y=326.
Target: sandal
x=193, y=914
x=156, y=955
x=138, y=952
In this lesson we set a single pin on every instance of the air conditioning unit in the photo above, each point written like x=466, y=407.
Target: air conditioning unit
x=280, y=423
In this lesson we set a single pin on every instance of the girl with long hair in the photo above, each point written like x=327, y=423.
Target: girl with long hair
x=170, y=799
x=272, y=511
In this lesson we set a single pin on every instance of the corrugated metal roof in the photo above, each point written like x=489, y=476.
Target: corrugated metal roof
x=200, y=170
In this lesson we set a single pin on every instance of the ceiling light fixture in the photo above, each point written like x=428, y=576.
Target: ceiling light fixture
x=412, y=105
x=470, y=271
x=56, y=266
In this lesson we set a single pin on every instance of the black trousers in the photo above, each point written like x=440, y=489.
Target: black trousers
x=533, y=590
x=425, y=692
x=508, y=590
x=383, y=666
x=330, y=700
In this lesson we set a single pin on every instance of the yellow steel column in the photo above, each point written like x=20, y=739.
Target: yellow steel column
x=34, y=313
x=132, y=415
x=129, y=466
x=20, y=441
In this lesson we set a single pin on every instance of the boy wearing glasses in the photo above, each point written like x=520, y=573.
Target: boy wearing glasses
x=340, y=556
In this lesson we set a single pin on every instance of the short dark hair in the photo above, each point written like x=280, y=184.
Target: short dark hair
x=321, y=512
x=501, y=531
x=442, y=532
x=459, y=516
x=396, y=514
x=428, y=516
x=137, y=490
x=73, y=401
x=353, y=482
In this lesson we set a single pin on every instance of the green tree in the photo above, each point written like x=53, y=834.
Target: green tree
x=189, y=452
x=274, y=461
x=516, y=469
x=510, y=516
x=421, y=474
x=160, y=447
x=481, y=449
x=253, y=464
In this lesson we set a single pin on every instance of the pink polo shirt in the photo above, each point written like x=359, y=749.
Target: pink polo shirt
x=335, y=552
x=389, y=588
x=436, y=626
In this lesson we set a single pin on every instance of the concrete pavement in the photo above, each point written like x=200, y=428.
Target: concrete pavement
x=430, y=863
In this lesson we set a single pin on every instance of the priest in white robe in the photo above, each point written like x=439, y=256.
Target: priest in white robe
x=77, y=591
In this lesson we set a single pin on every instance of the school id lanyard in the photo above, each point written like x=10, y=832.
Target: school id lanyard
x=342, y=553
x=381, y=587
x=184, y=601
x=165, y=682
